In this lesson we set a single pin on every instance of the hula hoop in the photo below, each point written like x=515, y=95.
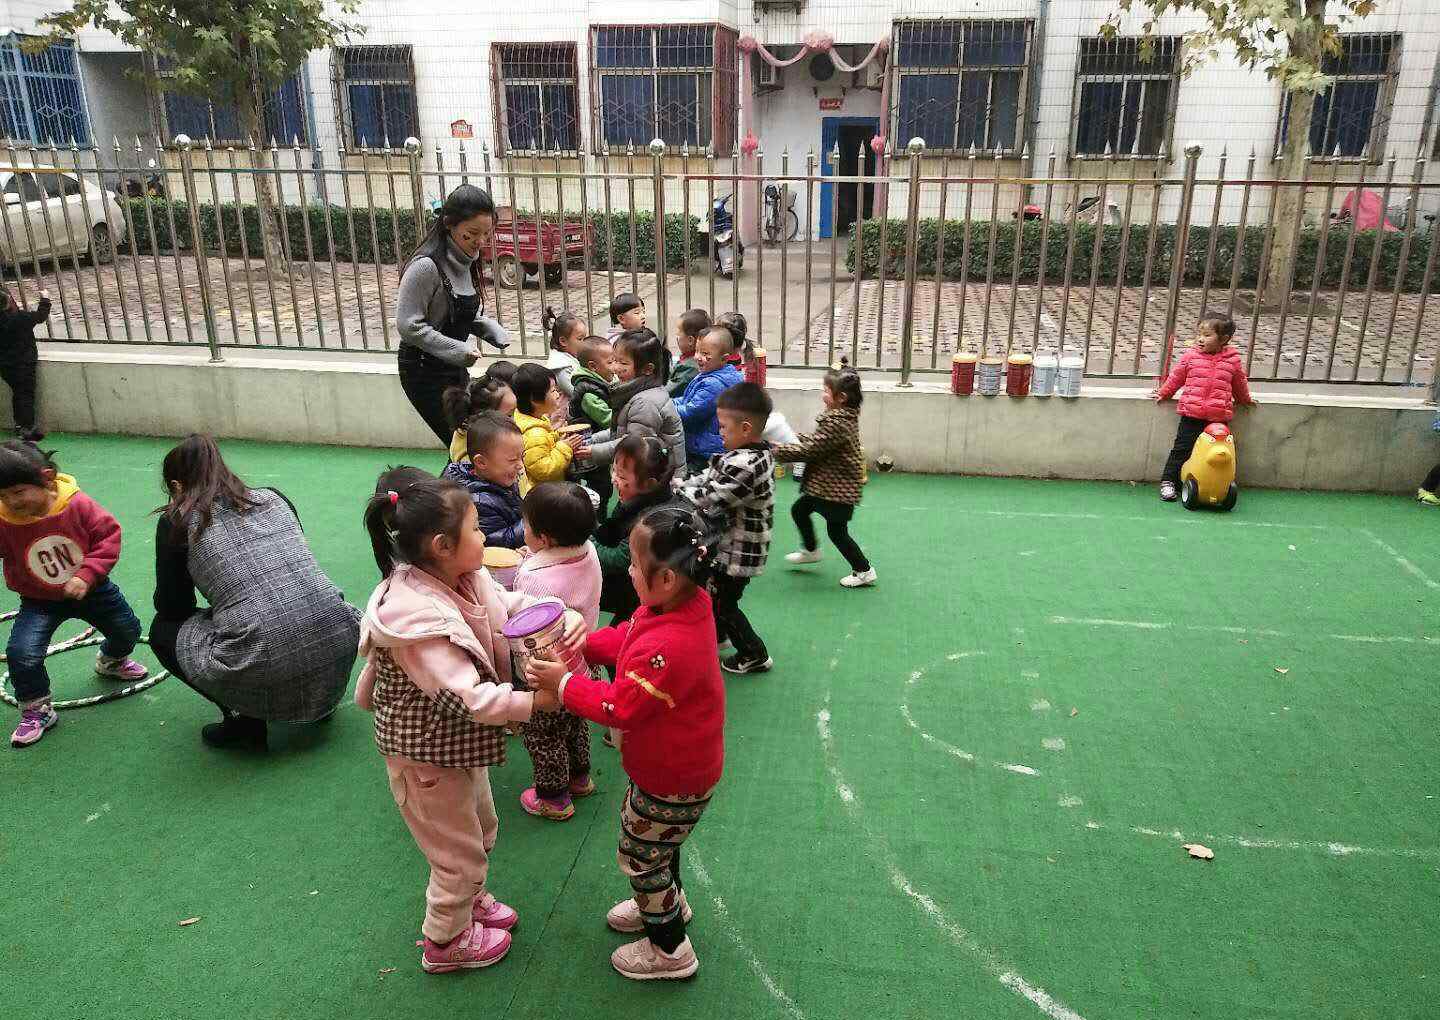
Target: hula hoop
x=86, y=639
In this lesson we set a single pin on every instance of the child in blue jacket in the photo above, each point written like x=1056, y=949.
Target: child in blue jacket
x=697, y=406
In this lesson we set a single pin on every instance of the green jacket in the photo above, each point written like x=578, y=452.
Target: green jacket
x=593, y=405
x=681, y=375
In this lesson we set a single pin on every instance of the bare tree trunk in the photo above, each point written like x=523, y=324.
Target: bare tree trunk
x=1290, y=166
x=251, y=107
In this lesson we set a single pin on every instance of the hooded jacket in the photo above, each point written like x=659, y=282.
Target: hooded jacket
x=76, y=537
x=642, y=408
x=450, y=646
x=1212, y=382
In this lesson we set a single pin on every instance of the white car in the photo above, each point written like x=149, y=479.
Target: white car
x=37, y=205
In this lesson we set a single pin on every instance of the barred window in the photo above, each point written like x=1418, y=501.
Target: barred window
x=41, y=100
x=1123, y=101
x=374, y=88
x=961, y=83
x=537, y=92
x=1350, y=116
x=675, y=83
x=219, y=119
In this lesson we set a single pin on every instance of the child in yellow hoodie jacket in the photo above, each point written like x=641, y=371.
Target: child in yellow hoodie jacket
x=547, y=454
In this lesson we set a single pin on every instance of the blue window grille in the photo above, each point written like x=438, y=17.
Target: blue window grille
x=537, y=94
x=1350, y=116
x=674, y=82
x=961, y=83
x=41, y=99
x=374, y=87
x=219, y=119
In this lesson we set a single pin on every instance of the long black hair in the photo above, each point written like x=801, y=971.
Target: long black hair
x=408, y=508
x=559, y=325
x=844, y=382
x=464, y=203
x=203, y=477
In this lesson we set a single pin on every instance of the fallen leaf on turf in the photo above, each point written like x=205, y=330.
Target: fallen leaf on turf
x=1200, y=852
x=1292, y=548
x=189, y=921
x=314, y=892
x=387, y=970
x=1074, y=712
x=1282, y=670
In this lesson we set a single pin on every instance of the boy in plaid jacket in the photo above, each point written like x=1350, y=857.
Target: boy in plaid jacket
x=740, y=484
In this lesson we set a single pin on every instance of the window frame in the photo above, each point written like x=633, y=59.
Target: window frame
x=23, y=105
x=156, y=77
x=1388, y=81
x=721, y=117
x=501, y=109
x=340, y=92
x=1025, y=69
x=1124, y=79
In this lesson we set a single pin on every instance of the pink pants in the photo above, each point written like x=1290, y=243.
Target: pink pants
x=451, y=814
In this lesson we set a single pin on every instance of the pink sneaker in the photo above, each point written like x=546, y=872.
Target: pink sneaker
x=120, y=669
x=543, y=807
x=493, y=914
x=34, y=721
x=582, y=786
x=473, y=948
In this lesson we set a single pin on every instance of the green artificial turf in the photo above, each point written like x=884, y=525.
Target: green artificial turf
x=868, y=854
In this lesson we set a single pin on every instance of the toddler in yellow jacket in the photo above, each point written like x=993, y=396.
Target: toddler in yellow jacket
x=547, y=454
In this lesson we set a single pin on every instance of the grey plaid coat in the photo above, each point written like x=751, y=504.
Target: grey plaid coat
x=279, y=639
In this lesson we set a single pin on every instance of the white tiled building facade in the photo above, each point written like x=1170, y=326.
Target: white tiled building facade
x=1014, y=74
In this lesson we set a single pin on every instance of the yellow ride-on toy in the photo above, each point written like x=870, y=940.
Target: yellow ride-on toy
x=1208, y=478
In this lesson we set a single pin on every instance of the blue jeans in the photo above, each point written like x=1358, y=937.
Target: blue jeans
x=104, y=608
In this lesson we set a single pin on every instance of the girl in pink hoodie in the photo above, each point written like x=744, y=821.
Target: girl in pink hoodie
x=1213, y=378
x=559, y=519
x=438, y=679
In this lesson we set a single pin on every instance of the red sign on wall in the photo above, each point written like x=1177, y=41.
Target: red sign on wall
x=461, y=129
x=831, y=102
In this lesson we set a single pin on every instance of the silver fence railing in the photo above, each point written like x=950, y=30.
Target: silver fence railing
x=262, y=247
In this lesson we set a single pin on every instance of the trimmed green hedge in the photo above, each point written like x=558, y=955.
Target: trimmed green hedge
x=386, y=223
x=1110, y=243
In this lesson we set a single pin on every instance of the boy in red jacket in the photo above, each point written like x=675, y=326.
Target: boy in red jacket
x=59, y=547
x=669, y=699
x=1214, y=378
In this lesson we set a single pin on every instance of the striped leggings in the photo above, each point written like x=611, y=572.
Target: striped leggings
x=651, y=832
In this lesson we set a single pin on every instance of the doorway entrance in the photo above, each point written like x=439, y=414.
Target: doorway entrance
x=850, y=133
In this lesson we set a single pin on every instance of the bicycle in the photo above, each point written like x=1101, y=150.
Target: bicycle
x=780, y=222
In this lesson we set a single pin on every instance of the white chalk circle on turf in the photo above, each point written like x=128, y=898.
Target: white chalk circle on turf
x=86, y=639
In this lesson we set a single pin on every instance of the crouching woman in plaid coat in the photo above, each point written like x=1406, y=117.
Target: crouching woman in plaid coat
x=438, y=679
x=669, y=700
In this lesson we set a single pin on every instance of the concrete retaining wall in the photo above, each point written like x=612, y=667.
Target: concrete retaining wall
x=1367, y=442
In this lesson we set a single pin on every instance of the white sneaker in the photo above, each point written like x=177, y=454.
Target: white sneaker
x=625, y=915
x=642, y=961
x=857, y=580
x=803, y=556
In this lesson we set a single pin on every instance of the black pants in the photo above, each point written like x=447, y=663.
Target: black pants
x=164, y=636
x=20, y=377
x=1185, y=436
x=837, y=526
x=424, y=378
x=730, y=621
x=1432, y=480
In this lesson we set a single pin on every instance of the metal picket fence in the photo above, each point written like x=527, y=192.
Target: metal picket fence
x=269, y=247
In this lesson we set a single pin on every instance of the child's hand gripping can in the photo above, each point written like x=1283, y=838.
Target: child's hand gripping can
x=539, y=632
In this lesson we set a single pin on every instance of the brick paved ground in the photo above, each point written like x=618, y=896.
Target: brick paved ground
x=146, y=300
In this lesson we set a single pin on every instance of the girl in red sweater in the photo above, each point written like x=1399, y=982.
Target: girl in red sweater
x=669, y=699
x=1214, y=378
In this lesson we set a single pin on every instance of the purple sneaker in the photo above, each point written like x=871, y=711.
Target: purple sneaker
x=34, y=721
x=476, y=946
x=119, y=669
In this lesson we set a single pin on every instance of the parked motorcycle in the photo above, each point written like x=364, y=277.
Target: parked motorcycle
x=727, y=254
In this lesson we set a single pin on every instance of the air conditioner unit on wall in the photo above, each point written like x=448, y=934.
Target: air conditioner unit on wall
x=871, y=76
x=768, y=78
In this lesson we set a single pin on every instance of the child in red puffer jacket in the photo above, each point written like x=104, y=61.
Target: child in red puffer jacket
x=1213, y=378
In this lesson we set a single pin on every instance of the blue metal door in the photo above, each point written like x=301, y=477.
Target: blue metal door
x=829, y=135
